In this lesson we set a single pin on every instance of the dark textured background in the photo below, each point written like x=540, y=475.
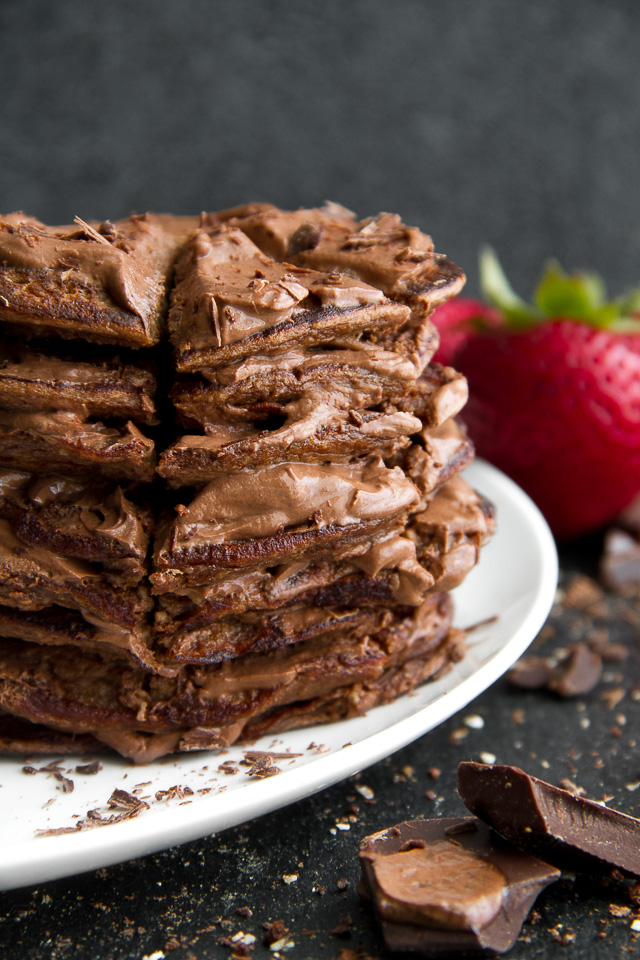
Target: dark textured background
x=512, y=122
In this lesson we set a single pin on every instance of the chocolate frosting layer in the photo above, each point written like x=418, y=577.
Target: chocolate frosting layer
x=381, y=251
x=231, y=300
x=34, y=379
x=101, y=281
x=262, y=502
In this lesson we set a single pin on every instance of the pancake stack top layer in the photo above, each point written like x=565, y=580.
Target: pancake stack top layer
x=271, y=546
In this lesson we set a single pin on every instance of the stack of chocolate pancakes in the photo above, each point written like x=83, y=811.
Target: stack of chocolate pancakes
x=235, y=516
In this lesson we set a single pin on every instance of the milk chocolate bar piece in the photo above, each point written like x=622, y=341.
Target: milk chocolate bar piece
x=64, y=442
x=208, y=706
x=35, y=380
x=230, y=301
x=569, y=831
x=104, y=282
x=449, y=886
x=381, y=251
x=78, y=518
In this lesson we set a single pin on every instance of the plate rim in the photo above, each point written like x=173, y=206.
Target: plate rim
x=47, y=858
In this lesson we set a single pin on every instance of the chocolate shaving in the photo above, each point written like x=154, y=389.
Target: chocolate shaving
x=89, y=769
x=129, y=808
x=177, y=791
x=91, y=231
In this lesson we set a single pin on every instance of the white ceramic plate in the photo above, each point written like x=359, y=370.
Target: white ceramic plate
x=515, y=580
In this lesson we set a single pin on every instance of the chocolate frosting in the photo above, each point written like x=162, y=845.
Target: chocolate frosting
x=75, y=508
x=124, y=263
x=264, y=501
x=227, y=291
x=381, y=251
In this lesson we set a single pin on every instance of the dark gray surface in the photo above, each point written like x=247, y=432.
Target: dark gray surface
x=174, y=902
x=478, y=120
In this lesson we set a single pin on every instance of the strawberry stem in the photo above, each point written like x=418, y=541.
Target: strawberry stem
x=558, y=296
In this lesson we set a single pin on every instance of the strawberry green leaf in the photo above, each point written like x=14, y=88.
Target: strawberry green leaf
x=499, y=292
x=580, y=296
x=625, y=325
x=630, y=302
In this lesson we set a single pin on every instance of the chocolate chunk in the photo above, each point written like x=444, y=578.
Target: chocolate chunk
x=620, y=564
x=579, y=673
x=463, y=890
x=567, y=830
x=530, y=673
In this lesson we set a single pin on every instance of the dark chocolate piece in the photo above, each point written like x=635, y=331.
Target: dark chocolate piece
x=620, y=564
x=578, y=673
x=449, y=886
x=568, y=831
x=530, y=673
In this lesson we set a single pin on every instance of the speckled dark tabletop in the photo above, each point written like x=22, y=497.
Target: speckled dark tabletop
x=188, y=902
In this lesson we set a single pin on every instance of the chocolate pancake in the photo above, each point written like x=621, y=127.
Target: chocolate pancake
x=39, y=380
x=436, y=455
x=67, y=443
x=61, y=627
x=278, y=514
x=231, y=301
x=381, y=250
x=256, y=631
x=144, y=716
x=449, y=533
x=439, y=544
x=33, y=578
x=249, y=388
x=312, y=433
x=316, y=433
x=437, y=395
x=78, y=518
x=104, y=282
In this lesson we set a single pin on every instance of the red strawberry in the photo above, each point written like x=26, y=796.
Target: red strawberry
x=457, y=320
x=555, y=399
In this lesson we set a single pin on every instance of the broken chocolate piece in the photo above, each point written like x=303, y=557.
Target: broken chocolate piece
x=577, y=674
x=620, y=564
x=449, y=885
x=530, y=673
x=568, y=831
